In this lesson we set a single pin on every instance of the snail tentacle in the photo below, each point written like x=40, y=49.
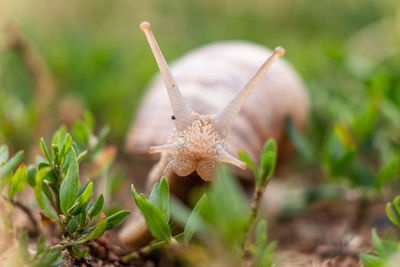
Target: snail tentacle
x=182, y=112
x=224, y=119
x=165, y=148
x=224, y=156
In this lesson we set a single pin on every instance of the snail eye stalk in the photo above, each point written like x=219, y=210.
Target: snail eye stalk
x=224, y=119
x=183, y=113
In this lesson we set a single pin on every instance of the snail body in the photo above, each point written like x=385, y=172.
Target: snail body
x=208, y=119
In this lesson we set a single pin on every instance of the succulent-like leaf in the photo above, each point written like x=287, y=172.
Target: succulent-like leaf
x=96, y=209
x=98, y=231
x=81, y=133
x=261, y=237
x=70, y=185
x=82, y=156
x=117, y=218
x=45, y=151
x=391, y=215
x=40, y=196
x=195, y=222
x=18, y=181
x=66, y=145
x=72, y=225
x=155, y=220
x=11, y=164
x=41, y=246
x=31, y=175
x=267, y=161
x=83, y=199
x=159, y=197
x=59, y=136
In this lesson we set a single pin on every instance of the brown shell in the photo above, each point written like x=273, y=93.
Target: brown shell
x=208, y=78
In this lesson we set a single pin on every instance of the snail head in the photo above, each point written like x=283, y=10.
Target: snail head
x=198, y=143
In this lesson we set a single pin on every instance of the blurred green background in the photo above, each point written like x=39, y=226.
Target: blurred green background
x=348, y=53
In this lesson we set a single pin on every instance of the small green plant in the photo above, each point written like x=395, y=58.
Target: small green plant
x=156, y=210
x=62, y=199
x=221, y=215
x=60, y=196
x=387, y=251
x=345, y=155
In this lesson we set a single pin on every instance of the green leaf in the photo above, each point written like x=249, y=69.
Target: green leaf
x=54, y=150
x=371, y=260
x=82, y=219
x=11, y=165
x=59, y=136
x=154, y=194
x=82, y=188
x=393, y=217
x=70, y=185
x=261, y=236
x=45, y=151
x=41, y=162
x=87, y=229
x=155, y=220
x=3, y=153
x=163, y=198
x=31, y=175
x=18, y=181
x=302, y=145
x=81, y=133
x=342, y=164
x=40, y=196
x=72, y=225
x=117, y=218
x=159, y=197
x=89, y=120
x=246, y=158
x=83, y=199
x=98, y=231
x=24, y=246
x=96, y=207
x=82, y=156
x=396, y=206
x=195, y=222
x=390, y=171
x=266, y=258
x=48, y=194
x=51, y=178
x=66, y=145
x=41, y=246
x=227, y=209
x=50, y=259
x=180, y=211
x=377, y=242
x=67, y=161
x=267, y=161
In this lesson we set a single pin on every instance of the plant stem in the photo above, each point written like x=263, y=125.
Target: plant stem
x=255, y=206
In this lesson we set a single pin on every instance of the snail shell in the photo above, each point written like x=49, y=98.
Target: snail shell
x=208, y=78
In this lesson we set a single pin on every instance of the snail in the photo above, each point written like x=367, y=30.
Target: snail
x=207, y=119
